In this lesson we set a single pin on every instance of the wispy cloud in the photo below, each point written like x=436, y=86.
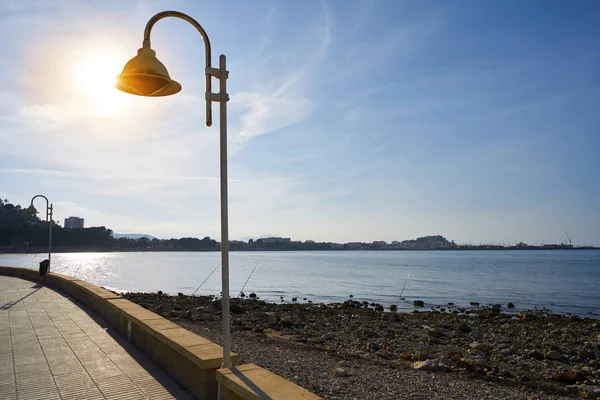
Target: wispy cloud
x=285, y=100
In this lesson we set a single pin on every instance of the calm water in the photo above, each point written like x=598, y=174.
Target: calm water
x=563, y=281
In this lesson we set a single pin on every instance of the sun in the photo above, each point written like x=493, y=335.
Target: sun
x=95, y=78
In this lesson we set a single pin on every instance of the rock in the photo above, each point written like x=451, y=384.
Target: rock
x=433, y=340
x=236, y=308
x=538, y=355
x=418, y=303
x=367, y=333
x=351, y=296
x=474, y=303
x=379, y=307
x=159, y=293
x=588, y=391
x=446, y=361
x=386, y=355
x=554, y=355
x=507, y=351
x=339, y=372
x=523, y=315
x=393, y=307
x=252, y=295
x=304, y=299
x=286, y=322
x=476, y=335
x=463, y=328
x=478, y=346
x=179, y=294
x=173, y=314
x=429, y=365
x=177, y=307
x=294, y=299
x=158, y=309
x=242, y=294
x=568, y=377
x=510, y=305
x=496, y=308
x=374, y=345
x=454, y=356
x=435, y=333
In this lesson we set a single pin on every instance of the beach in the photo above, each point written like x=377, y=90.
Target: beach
x=353, y=350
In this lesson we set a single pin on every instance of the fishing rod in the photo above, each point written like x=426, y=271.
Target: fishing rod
x=253, y=269
x=405, y=282
x=209, y=275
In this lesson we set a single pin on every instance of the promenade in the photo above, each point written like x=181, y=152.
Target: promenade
x=53, y=348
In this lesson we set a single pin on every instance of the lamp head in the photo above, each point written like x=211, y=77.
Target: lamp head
x=31, y=210
x=144, y=75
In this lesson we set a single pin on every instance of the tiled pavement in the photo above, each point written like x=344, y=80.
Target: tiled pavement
x=53, y=348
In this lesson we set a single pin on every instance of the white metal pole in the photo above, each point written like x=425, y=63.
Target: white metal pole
x=50, y=239
x=224, y=214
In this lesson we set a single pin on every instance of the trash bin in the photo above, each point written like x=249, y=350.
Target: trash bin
x=44, y=267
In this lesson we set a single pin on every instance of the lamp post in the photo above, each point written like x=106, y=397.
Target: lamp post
x=145, y=75
x=31, y=210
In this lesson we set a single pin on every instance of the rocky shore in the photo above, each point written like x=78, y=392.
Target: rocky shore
x=360, y=351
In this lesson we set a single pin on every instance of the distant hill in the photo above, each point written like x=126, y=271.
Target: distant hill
x=132, y=235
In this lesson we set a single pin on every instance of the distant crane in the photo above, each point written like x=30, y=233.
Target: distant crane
x=569, y=240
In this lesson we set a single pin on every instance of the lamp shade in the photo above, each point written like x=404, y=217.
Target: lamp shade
x=145, y=75
x=31, y=210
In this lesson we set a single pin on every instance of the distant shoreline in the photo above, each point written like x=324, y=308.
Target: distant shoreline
x=41, y=250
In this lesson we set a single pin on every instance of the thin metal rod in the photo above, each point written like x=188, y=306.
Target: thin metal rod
x=50, y=239
x=245, y=283
x=224, y=214
x=204, y=281
x=200, y=29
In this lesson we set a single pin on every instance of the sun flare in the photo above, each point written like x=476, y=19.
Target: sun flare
x=96, y=74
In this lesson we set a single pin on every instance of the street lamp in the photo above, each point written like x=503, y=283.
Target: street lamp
x=145, y=75
x=31, y=210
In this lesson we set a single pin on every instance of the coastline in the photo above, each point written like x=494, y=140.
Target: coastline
x=342, y=351
x=41, y=250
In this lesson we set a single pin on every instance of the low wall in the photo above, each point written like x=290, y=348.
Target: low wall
x=191, y=360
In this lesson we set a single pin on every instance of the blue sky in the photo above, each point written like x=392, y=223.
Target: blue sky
x=348, y=120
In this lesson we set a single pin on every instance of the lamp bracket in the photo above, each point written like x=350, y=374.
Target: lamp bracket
x=217, y=73
x=216, y=97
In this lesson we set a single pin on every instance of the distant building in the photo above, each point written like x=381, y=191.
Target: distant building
x=74, y=223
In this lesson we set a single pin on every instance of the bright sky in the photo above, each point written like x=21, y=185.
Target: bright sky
x=348, y=120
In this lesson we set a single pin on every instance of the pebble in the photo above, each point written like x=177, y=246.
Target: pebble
x=339, y=372
x=476, y=335
x=478, y=346
x=554, y=355
x=429, y=365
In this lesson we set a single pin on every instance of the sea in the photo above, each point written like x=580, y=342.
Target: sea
x=562, y=281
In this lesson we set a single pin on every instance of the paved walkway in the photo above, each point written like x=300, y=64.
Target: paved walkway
x=53, y=348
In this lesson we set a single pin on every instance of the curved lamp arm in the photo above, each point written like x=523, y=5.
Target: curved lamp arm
x=48, y=207
x=185, y=17
x=40, y=195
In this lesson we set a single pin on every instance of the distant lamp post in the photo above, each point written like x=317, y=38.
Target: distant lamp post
x=31, y=210
x=145, y=75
